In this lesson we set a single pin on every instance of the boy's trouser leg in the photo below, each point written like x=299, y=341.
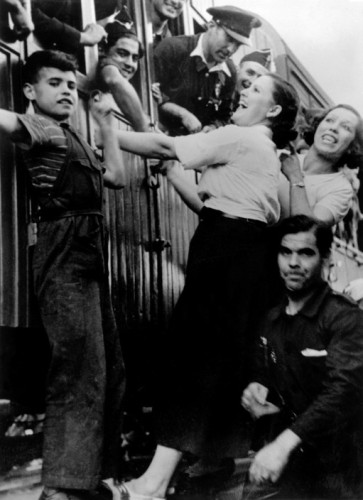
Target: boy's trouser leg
x=76, y=386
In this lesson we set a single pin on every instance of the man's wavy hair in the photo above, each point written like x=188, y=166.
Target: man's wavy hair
x=303, y=224
x=353, y=157
x=115, y=31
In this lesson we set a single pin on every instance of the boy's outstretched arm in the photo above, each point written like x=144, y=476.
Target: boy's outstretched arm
x=11, y=126
x=115, y=174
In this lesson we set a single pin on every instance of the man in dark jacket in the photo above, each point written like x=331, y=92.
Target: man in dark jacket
x=309, y=375
x=58, y=24
x=197, y=78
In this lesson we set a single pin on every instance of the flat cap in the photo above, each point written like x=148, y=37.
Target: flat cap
x=237, y=23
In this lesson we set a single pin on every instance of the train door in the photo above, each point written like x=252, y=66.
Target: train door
x=150, y=231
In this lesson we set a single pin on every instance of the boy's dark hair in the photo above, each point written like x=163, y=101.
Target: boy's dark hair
x=303, y=224
x=47, y=59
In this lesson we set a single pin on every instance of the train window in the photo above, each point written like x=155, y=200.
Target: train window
x=199, y=8
x=71, y=26
x=58, y=25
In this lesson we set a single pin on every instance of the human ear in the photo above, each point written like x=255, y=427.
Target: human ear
x=28, y=90
x=274, y=111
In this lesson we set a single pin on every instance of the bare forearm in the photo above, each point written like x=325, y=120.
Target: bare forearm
x=147, y=144
x=186, y=118
x=172, y=109
x=299, y=203
x=115, y=174
x=128, y=101
x=185, y=189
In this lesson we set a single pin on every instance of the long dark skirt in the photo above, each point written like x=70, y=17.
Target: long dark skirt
x=207, y=350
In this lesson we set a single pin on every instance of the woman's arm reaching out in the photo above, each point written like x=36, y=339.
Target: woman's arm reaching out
x=149, y=144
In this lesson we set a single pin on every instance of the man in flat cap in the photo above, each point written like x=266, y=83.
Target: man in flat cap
x=197, y=78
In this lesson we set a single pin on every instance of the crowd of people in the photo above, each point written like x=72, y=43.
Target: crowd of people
x=262, y=359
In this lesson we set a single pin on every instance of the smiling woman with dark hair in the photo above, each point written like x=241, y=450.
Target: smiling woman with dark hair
x=205, y=362
x=314, y=184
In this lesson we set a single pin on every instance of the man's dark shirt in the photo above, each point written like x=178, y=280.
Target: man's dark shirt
x=313, y=364
x=158, y=37
x=186, y=81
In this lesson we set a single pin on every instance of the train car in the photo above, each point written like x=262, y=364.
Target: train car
x=149, y=226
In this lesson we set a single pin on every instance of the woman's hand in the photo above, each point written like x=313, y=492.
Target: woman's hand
x=290, y=166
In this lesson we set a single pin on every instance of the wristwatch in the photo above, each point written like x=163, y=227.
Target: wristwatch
x=300, y=184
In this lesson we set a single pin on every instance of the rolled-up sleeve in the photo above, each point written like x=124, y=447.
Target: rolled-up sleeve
x=37, y=131
x=199, y=150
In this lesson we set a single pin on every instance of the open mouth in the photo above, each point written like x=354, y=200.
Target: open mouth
x=127, y=73
x=328, y=139
x=66, y=101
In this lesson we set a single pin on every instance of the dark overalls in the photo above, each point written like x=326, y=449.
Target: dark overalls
x=86, y=379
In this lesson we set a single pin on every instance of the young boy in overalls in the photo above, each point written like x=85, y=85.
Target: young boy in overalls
x=86, y=382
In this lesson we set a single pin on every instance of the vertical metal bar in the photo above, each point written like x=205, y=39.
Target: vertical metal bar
x=88, y=17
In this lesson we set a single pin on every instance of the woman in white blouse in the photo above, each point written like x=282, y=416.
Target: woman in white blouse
x=205, y=364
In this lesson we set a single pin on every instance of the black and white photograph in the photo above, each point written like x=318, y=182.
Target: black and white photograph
x=181, y=250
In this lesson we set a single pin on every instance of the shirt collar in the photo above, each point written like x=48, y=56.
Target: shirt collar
x=312, y=306
x=198, y=51
x=163, y=32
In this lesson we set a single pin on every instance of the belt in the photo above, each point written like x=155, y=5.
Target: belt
x=211, y=213
x=62, y=214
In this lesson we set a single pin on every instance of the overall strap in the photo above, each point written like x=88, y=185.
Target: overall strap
x=85, y=196
x=73, y=134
